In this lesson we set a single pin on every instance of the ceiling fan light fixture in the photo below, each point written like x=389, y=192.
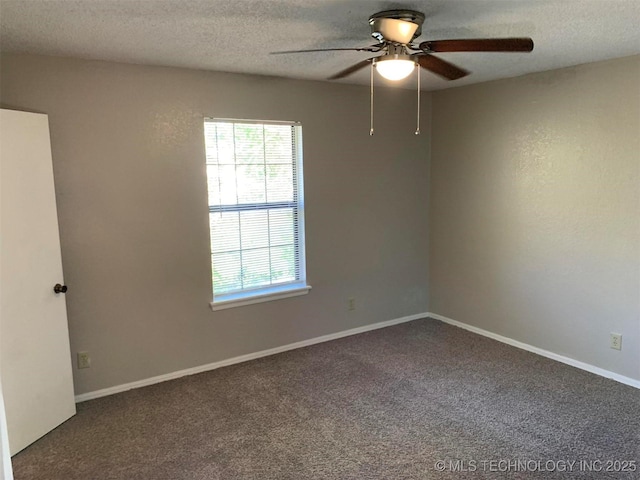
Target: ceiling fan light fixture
x=395, y=67
x=397, y=30
x=398, y=26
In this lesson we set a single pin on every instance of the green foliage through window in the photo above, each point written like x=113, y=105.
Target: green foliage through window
x=255, y=204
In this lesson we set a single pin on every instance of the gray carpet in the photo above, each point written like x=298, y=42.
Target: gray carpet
x=387, y=404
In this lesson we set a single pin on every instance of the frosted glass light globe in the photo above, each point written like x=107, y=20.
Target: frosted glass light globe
x=394, y=68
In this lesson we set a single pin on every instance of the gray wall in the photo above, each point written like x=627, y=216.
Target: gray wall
x=128, y=156
x=535, y=210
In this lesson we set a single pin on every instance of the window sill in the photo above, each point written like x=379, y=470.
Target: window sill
x=242, y=299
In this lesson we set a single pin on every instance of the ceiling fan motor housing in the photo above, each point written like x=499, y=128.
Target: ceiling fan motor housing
x=397, y=26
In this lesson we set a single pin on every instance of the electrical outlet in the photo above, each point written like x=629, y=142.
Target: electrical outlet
x=84, y=360
x=616, y=341
x=351, y=304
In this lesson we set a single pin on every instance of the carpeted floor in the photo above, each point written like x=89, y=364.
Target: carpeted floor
x=388, y=404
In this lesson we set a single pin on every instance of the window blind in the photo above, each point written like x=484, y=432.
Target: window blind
x=254, y=174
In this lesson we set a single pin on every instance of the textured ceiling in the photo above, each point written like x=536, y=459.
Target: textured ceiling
x=237, y=36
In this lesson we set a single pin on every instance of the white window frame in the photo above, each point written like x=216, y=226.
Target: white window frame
x=277, y=292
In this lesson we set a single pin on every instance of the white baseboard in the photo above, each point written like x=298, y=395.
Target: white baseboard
x=243, y=358
x=354, y=331
x=545, y=353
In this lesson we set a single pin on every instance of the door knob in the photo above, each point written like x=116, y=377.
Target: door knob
x=60, y=288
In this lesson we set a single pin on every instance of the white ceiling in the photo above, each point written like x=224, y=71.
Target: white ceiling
x=237, y=35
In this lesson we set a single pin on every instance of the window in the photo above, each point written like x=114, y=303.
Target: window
x=256, y=210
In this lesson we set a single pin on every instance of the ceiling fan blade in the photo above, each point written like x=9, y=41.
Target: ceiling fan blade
x=351, y=69
x=372, y=48
x=478, y=45
x=440, y=67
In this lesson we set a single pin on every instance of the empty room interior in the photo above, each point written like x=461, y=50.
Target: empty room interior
x=334, y=239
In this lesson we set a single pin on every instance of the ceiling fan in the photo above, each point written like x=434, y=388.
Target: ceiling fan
x=396, y=29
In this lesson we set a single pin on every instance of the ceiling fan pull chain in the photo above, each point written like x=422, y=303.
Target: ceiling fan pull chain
x=418, y=119
x=371, y=110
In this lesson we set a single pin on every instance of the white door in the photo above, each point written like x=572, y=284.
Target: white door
x=35, y=359
x=6, y=473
